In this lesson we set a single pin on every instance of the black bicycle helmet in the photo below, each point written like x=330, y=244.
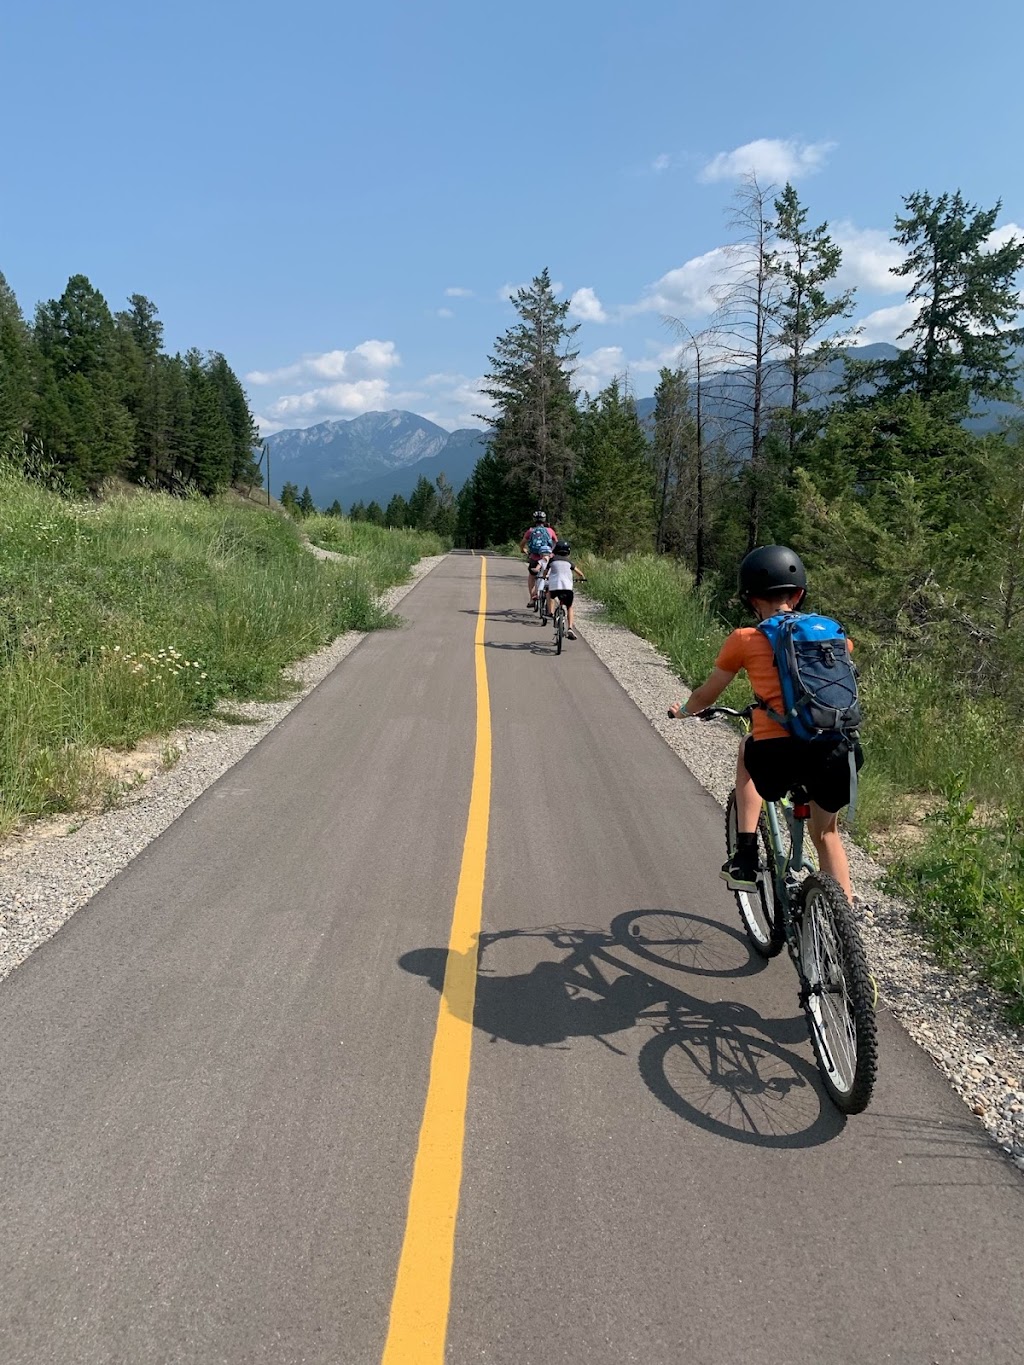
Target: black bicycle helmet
x=770, y=568
x=539, y=518
x=562, y=547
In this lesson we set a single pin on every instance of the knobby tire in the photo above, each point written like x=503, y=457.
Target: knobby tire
x=840, y=1005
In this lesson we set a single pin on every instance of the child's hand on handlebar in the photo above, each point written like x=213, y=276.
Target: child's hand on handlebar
x=676, y=710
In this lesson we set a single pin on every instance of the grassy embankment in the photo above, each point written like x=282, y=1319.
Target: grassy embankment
x=123, y=619
x=929, y=745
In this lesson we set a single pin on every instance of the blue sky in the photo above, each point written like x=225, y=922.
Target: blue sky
x=336, y=196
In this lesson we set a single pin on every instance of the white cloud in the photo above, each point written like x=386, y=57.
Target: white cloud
x=772, y=159
x=1001, y=235
x=365, y=361
x=869, y=257
x=586, y=306
x=456, y=400
x=661, y=163
x=595, y=371
x=445, y=313
x=689, y=289
x=885, y=324
x=332, y=400
x=455, y=291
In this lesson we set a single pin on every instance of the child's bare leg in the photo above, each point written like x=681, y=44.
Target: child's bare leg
x=748, y=799
x=824, y=826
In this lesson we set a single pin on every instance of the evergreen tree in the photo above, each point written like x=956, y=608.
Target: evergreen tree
x=397, y=511
x=422, y=505
x=335, y=509
x=960, y=344
x=289, y=498
x=211, y=436
x=140, y=338
x=175, y=452
x=806, y=260
x=530, y=383
x=612, y=502
x=307, y=507
x=485, y=511
x=357, y=512
x=235, y=407
x=15, y=367
x=80, y=417
x=375, y=513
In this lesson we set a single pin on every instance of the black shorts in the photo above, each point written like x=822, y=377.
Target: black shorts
x=565, y=595
x=531, y=568
x=779, y=765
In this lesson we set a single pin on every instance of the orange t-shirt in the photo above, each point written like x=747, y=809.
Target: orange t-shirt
x=746, y=648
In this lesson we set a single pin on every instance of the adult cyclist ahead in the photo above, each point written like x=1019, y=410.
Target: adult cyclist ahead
x=538, y=542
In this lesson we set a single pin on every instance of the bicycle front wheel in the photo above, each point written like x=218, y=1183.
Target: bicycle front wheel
x=559, y=628
x=840, y=994
x=761, y=915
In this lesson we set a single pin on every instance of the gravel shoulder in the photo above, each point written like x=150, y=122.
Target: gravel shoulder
x=954, y=1016
x=56, y=866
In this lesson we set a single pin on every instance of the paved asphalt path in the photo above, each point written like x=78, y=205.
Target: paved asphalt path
x=213, y=1076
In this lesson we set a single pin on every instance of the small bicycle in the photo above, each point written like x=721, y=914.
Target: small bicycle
x=797, y=906
x=561, y=624
x=541, y=605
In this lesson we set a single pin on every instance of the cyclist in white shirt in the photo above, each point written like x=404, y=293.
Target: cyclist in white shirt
x=561, y=574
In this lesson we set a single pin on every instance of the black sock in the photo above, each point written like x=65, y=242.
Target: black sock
x=746, y=843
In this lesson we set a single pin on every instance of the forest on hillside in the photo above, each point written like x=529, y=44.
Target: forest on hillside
x=86, y=394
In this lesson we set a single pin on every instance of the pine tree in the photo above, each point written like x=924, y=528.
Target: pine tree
x=960, y=344
x=239, y=419
x=612, y=496
x=397, y=511
x=15, y=368
x=140, y=338
x=806, y=260
x=335, y=509
x=422, y=505
x=307, y=507
x=290, y=498
x=487, y=507
x=212, y=445
x=530, y=383
x=80, y=418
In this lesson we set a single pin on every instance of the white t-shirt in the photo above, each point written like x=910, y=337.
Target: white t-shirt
x=559, y=575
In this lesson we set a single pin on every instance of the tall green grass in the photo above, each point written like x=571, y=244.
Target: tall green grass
x=925, y=736
x=124, y=619
x=385, y=556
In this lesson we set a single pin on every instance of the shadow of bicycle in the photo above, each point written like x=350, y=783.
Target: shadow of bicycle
x=719, y=1065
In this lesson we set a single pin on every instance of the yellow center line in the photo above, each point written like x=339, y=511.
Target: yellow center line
x=419, y=1306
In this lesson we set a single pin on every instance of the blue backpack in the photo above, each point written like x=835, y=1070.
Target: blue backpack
x=819, y=683
x=541, y=540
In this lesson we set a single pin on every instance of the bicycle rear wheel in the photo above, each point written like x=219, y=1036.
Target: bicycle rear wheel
x=761, y=915
x=840, y=994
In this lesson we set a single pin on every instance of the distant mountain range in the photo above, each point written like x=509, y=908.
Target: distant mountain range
x=372, y=457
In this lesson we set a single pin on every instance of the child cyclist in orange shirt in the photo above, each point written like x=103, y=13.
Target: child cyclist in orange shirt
x=771, y=761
